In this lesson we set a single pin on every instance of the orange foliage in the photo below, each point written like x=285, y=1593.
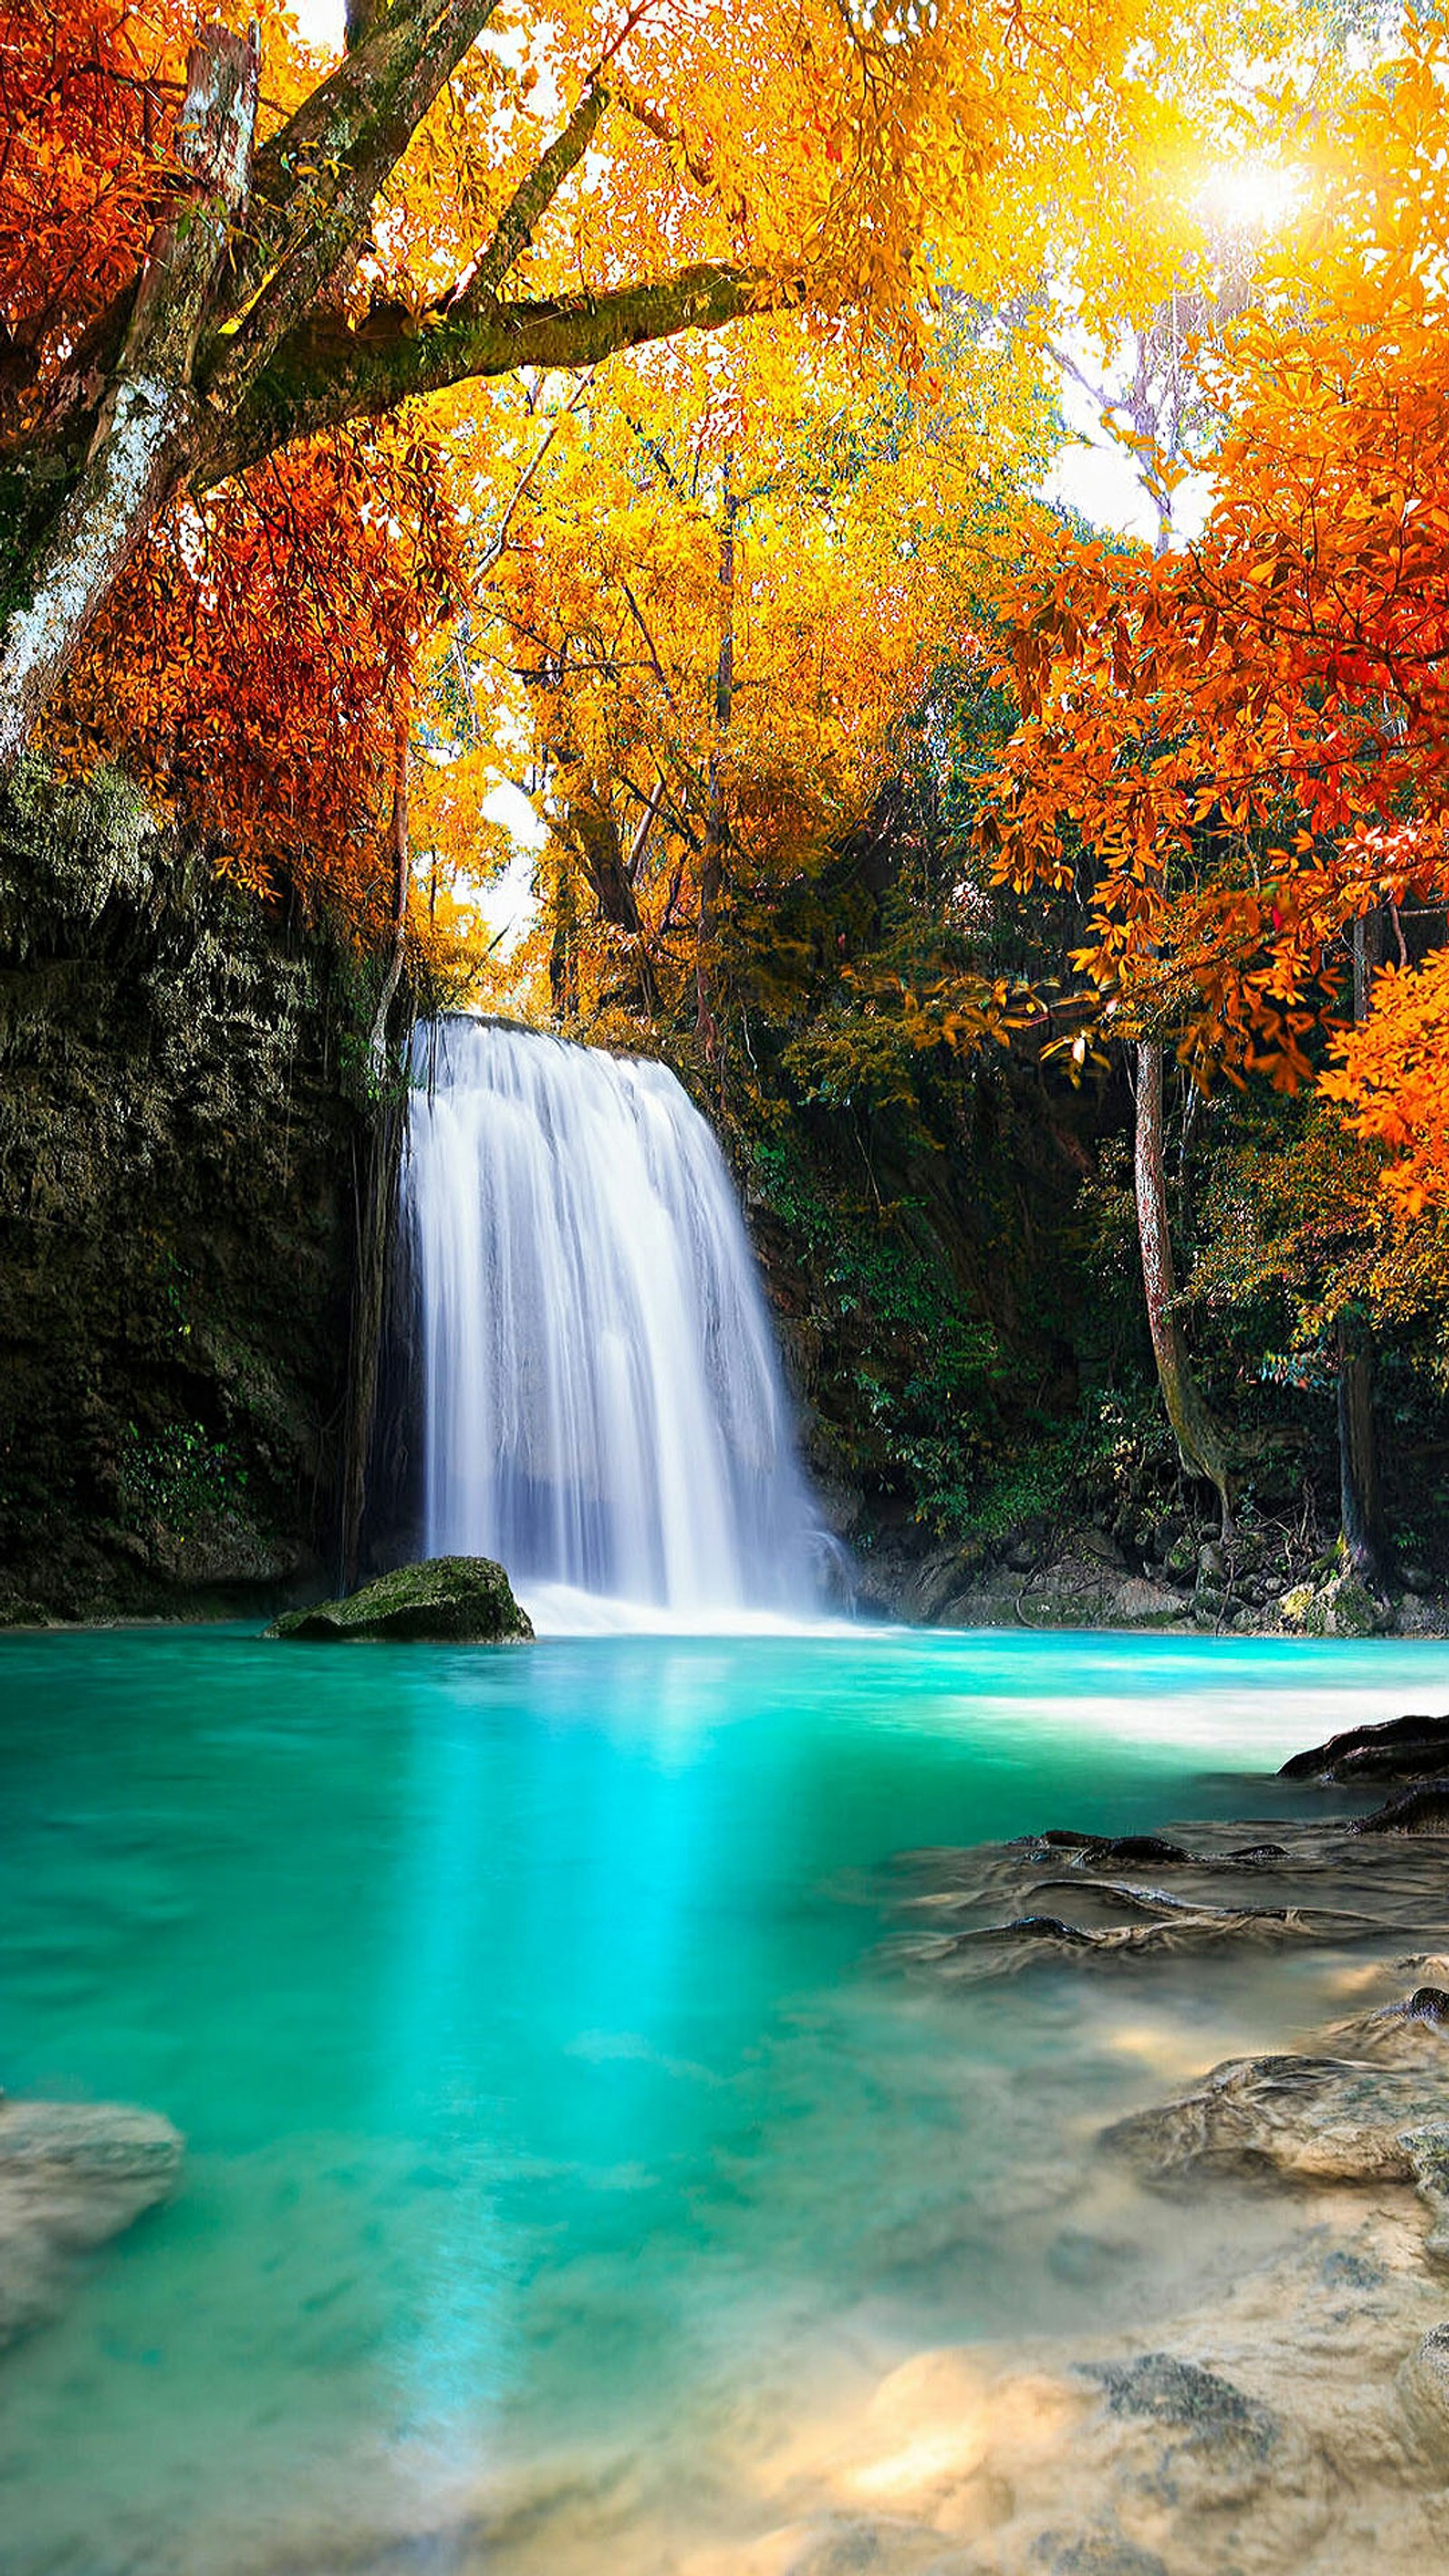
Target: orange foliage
x=1393, y=1077
x=1247, y=743
x=252, y=663
x=88, y=95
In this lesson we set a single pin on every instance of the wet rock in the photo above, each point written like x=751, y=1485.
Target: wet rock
x=72, y=2174
x=1099, y=1850
x=1343, y=2270
x=1427, y=2148
x=1094, y=2553
x=1307, y=2119
x=1002, y=1949
x=1066, y=1895
x=1411, y=2032
x=1422, y=1810
x=1426, y=2004
x=1423, y=2388
x=1086, y=2261
x=1403, y=1748
x=454, y=1600
x=1150, y=1849
x=1215, y=2417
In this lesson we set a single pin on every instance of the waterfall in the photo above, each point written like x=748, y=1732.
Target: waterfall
x=602, y=1401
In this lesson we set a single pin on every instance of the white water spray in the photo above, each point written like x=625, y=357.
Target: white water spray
x=603, y=1406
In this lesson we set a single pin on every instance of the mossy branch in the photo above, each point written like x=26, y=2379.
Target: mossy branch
x=325, y=373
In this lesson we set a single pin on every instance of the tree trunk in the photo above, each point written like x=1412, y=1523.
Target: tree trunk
x=716, y=829
x=1360, y=1507
x=376, y=1197
x=377, y=1189
x=1360, y=1503
x=234, y=343
x=1199, y=1444
x=401, y=877
x=148, y=431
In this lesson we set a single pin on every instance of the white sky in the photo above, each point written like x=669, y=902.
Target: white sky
x=320, y=21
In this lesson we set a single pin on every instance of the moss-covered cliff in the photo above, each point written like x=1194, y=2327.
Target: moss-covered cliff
x=180, y=1133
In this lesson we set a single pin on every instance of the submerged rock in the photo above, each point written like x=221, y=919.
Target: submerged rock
x=1424, y=2389
x=1408, y=2033
x=1001, y=1949
x=72, y=2174
x=454, y=1600
x=1061, y=1896
x=1179, y=2392
x=1308, y=2119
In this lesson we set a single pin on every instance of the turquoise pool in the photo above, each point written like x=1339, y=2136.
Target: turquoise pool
x=552, y=2111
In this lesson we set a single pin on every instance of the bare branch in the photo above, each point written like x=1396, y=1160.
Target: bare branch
x=530, y=203
x=493, y=551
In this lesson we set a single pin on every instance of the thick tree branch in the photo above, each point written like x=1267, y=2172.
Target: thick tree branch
x=361, y=19
x=530, y=203
x=325, y=374
x=316, y=181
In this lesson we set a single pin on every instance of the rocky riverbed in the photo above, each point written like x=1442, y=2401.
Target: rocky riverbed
x=1275, y=2402
x=1291, y=2416
x=1259, y=1582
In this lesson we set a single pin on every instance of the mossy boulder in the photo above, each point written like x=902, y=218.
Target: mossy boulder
x=453, y=1600
x=1340, y=1607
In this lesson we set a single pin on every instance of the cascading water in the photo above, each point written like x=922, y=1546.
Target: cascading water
x=603, y=1406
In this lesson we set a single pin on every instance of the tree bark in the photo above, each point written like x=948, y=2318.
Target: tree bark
x=716, y=828
x=401, y=877
x=1360, y=1502
x=1360, y=1505
x=148, y=429
x=1199, y=1444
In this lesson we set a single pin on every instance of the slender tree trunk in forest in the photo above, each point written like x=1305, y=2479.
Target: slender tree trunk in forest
x=401, y=877
x=563, y=968
x=716, y=829
x=1199, y=1443
x=376, y=1196
x=1360, y=1505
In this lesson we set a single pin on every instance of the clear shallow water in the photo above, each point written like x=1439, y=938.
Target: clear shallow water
x=545, y=2091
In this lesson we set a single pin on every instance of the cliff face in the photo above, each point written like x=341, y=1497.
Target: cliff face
x=940, y=1323
x=180, y=1132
